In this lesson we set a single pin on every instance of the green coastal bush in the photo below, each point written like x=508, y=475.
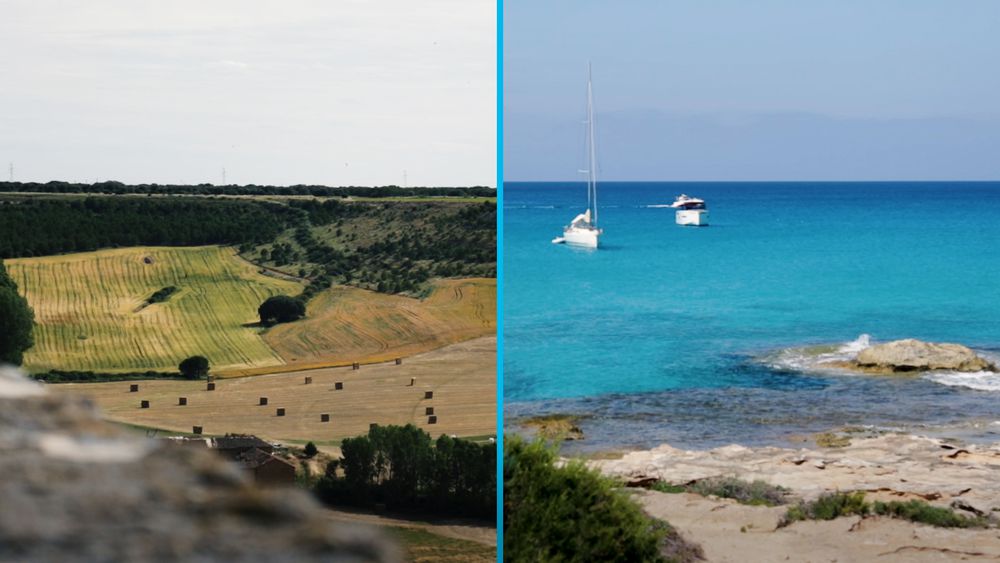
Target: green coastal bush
x=753, y=493
x=919, y=511
x=828, y=507
x=835, y=505
x=571, y=513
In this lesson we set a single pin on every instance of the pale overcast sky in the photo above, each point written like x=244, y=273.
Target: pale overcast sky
x=346, y=92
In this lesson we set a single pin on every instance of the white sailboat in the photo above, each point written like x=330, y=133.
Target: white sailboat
x=583, y=229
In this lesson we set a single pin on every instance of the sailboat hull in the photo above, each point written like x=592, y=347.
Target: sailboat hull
x=587, y=238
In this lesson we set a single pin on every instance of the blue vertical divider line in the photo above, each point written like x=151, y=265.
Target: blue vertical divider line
x=499, y=358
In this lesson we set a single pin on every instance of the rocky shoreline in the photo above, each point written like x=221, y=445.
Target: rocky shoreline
x=886, y=467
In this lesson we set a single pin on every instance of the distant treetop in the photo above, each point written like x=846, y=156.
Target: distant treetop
x=112, y=187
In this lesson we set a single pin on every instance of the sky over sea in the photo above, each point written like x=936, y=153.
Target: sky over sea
x=301, y=91
x=768, y=90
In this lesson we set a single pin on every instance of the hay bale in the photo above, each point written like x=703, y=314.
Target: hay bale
x=134, y=388
x=281, y=412
x=429, y=410
x=432, y=420
x=338, y=385
x=356, y=366
x=428, y=394
x=263, y=401
x=196, y=429
x=308, y=380
x=399, y=361
x=324, y=418
x=182, y=401
x=210, y=387
x=143, y=404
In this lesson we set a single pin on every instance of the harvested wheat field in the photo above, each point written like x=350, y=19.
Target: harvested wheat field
x=461, y=377
x=346, y=324
x=89, y=309
x=91, y=314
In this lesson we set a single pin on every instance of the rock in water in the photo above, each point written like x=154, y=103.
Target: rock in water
x=915, y=355
x=75, y=488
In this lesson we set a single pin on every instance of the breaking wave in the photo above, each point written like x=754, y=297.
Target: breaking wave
x=978, y=380
x=814, y=358
x=818, y=359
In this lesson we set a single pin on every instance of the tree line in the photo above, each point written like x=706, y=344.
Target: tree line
x=119, y=188
x=40, y=227
x=403, y=468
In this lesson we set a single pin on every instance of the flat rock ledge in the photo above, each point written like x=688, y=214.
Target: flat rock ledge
x=910, y=355
x=891, y=466
x=887, y=467
x=75, y=488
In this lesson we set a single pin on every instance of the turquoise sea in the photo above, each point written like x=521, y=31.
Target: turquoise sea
x=700, y=337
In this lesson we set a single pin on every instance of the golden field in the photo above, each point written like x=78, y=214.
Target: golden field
x=89, y=315
x=462, y=378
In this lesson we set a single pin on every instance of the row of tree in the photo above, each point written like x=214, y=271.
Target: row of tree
x=39, y=227
x=403, y=468
x=119, y=188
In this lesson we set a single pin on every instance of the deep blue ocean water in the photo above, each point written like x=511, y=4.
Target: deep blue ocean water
x=691, y=335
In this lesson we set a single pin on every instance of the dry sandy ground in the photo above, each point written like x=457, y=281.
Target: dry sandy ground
x=730, y=532
x=887, y=467
x=462, y=378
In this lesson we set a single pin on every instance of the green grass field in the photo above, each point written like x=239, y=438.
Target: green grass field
x=89, y=314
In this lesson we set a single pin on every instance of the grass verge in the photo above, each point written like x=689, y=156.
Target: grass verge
x=420, y=545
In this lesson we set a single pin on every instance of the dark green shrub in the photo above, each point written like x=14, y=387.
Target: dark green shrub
x=664, y=487
x=281, y=309
x=161, y=295
x=17, y=321
x=572, y=513
x=756, y=493
x=828, y=507
x=311, y=450
x=919, y=511
x=195, y=367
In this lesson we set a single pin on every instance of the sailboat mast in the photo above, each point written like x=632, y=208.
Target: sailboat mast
x=592, y=168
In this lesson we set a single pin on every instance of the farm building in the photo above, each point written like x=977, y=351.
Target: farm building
x=251, y=453
x=267, y=469
x=233, y=446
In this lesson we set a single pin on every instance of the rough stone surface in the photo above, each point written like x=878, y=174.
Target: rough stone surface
x=888, y=467
x=915, y=355
x=74, y=488
x=898, y=466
